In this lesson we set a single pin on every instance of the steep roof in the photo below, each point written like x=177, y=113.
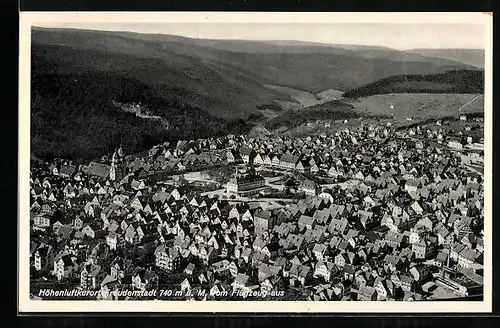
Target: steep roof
x=99, y=170
x=291, y=159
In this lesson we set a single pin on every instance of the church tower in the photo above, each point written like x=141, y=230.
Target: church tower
x=118, y=169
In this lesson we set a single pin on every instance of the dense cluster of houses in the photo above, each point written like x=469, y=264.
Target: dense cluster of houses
x=404, y=224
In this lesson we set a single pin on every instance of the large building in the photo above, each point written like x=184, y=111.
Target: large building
x=289, y=162
x=118, y=169
x=245, y=185
x=264, y=221
x=114, y=172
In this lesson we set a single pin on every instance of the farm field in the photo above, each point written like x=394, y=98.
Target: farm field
x=418, y=105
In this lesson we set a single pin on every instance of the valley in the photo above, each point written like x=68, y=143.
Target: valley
x=201, y=88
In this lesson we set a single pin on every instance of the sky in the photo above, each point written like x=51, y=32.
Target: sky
x=397, y=36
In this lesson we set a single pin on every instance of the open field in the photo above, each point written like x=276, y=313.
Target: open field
x=304, y=98
x=418, y=105
x=330, y=94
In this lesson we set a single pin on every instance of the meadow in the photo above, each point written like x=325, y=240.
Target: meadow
x=418, y=105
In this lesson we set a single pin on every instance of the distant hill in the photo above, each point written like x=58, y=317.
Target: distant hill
x=223, y=91
x=473, y=57
x=459, y=81
x=246, y=65
x=198, y=87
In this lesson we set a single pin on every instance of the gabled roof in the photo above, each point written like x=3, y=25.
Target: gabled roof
x=291, y=159
x=99, y=170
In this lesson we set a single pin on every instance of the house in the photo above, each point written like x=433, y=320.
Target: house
x=189, y=269
x=417, y=208
x=333, y=172
x=300, y=273
x=303, y=166
x=247, y=154
x=392, y=262
x=413, y=185
x=325, y=270
x=167, y=258
x=89, y=276
x=120, y=268
x=131, y=235
x=441, y=259
x=114, y=240
x=185, y=287
x=223, y=268
x=455, y=250
x=384, y=287
x=305, y=222
x=288, y=162
x=98, y=170
x=240, y=282
x=232, y=156
x=275, y=161
x=268, y=272
x=425, y=248
x=41, y=221
x=467, y=257
x=266, y=287
x=338, y=225
x=64, y=265
x=394, y=239
x=419, y=272
x=43, y=257
x=319, y=251
x=407, y=283
x=361, y=279
x=218, y=290
x=366, y=219
x=349, y=272
x=455, y=144
x=143, y=279
x=264, y=221
x=367, y=293
x=341, y=260
x=445, y=237
x=108, y=287
x=258, y=160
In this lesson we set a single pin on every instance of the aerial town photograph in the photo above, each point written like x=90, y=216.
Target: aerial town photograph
x=273, y=162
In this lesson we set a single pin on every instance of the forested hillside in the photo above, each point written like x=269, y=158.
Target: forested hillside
x=73, y=116
x=458, y=81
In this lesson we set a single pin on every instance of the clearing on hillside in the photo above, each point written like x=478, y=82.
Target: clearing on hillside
x=330, y=94
x=418, y=105
x=304, y=98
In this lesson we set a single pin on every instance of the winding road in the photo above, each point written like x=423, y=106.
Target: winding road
x=467, y=104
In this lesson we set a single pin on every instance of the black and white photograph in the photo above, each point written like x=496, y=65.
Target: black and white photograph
x=269, y=162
